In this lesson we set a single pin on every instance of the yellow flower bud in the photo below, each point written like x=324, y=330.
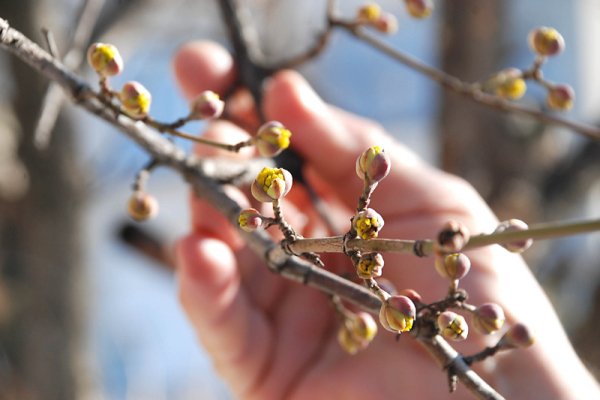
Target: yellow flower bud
x=250, y=219
x=367, y=223
x=560, y=97
x=135, y=99
x=370, y=266
x=510, y=84
x=271, y=184
x=488, y=318
x=546, y=41
x=419, y=8
x=272, y=138
x=105, y=59
x=373, y=164
x=368, y=13
x=397, y=314
x=453, y=326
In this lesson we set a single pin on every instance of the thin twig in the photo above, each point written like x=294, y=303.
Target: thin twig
x=471, y=91
x=423, y=248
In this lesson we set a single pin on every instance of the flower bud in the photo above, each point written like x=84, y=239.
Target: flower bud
x=518, y=335
x=135, y=99
x=370, y=266
x=363, y=327
x=357, y=332
x=368, y=13
x=272, y=138
x=511, y=225
x=250, y=219
x=453, y=266
x=453, y=237
x=367, y=223
x=397, y=314
x=271, y=184
x=488, y=318
x=509, y=84
x=373, y=164
x=419, y=8
x=560, y=97
x=206, y=105
x=105, y=59
x=142, y=206
x=546, y=41
x=387, y=23
x=453, y=326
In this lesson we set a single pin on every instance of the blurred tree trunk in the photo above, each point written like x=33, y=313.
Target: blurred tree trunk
x=39, y=252
x=478, y=143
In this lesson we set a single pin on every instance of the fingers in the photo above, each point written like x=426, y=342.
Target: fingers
x=202, y=66
x=236, y=335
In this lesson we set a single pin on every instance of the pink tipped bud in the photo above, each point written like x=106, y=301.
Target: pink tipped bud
x=370, y=266
x=513, y=225
x=206, y=105
x=419, y=8
x=272, y=138
x=105, y=59
x=453, y=266
x=135, y=99
x=453, y=326
x=488, y=318
x=560, y=97
x=367, y=223
x=453, y=237
x=250, y=219
x=546, y=41
x=518, y=335
x=271, y=184
x=373, y=164
x=397, y=314
x=142, y=206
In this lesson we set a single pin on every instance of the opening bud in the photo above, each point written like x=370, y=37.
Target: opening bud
x=373, y=164
x=419, y=8
x=560, y=97
x=135, y=99
x=397, y=314
x=387, y=23
x=509, y=84
x=272, y=138
x=250, y=219
x=546, y=41
x=518, y=335
x=370, y=266
x=206, y=105
x=453, y=266
x=271, y=184
x=367, y=223
x=453, y=326
x=142, y=206
x=105, y=59
x=512, y=225
x=488, y=318
x=453, y=237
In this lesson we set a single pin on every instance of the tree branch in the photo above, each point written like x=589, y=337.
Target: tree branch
x=196, y=173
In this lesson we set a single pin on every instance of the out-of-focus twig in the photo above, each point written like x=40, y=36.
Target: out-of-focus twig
x=54, y=99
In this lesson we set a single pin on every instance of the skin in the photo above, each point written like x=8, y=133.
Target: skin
x=272, y=339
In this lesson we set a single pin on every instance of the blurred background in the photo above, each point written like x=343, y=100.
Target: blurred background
x=83, y=315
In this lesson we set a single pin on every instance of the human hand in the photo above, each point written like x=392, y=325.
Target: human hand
x=270, y=338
